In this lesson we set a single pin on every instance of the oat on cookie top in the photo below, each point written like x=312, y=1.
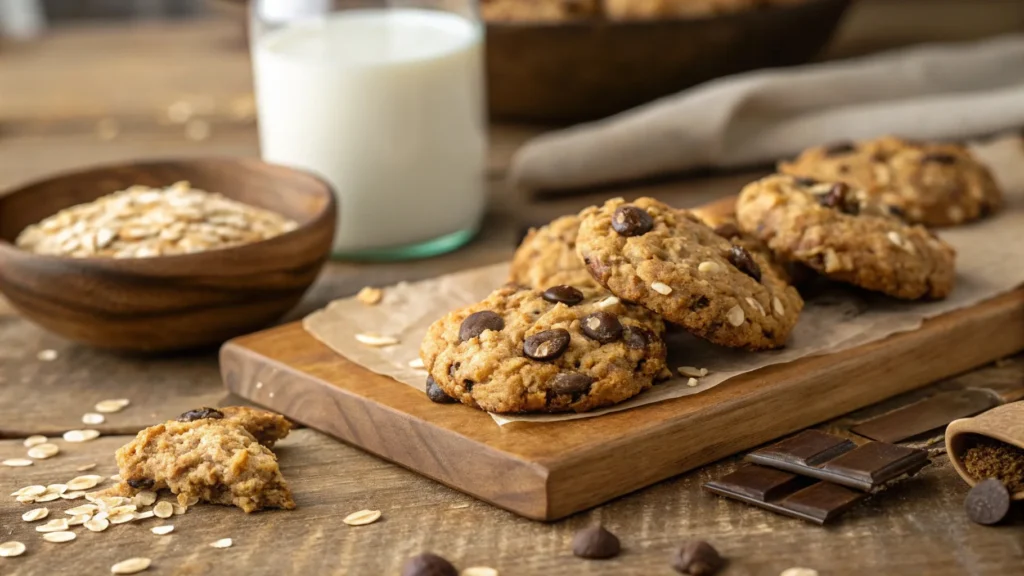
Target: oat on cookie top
x=934, y=184
x=556, y=350
x=547, y=257
x=668, y=261
x=819, y=225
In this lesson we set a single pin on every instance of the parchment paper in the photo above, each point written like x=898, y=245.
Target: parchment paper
x=990, y=261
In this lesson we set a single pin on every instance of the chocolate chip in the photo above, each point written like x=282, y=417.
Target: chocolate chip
x=602, y=326
x=595, y=543
x=697, y=558
x=804, y=181
x=835, y=197
x=141, y=483
x=572, y=383
x=629, y=220
x=895, y=211
x=742, y=259
x=435, y=393
x=988, y=502
x=547, y=345
x=200, y=414
x=839, y=148
x=700, y=303
x=939, y=158
x=563, y=295
x=637, y=338
x=478, y=322
x=728, y=230
x=427, y=564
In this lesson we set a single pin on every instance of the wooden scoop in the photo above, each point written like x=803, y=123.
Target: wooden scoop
x=1005, y=424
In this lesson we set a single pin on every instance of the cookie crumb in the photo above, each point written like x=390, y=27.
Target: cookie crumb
x=692, y=382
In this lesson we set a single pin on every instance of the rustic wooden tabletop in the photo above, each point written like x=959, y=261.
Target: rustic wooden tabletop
x=98, y=94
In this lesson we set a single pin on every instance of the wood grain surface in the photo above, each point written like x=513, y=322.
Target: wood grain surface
x=168, y=303
x=519, y=468
x=62, y=94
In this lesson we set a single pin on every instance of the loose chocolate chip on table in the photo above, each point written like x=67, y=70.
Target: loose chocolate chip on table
x=839, y=148
x=427, y=564
x=435, y=393
x=571, y=383
x=636, y=338
x=939, y=158
x=988, y=502
x=742, y=259
x=629, y=220
x=478, y=322
x=697, y=558
x=201, y=413
x=595, y=543
x=547, y=345
x=141, y=483
x=563, y=294
x=602, y=326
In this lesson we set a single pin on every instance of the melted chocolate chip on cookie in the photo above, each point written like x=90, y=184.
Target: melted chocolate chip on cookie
x=200, y=414
x=742, y=260
x=629, y=220
x=563, y=295
x=602, y=326
x=547, y=345
x=479, y=322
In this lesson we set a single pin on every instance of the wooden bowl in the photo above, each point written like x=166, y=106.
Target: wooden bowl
x=168, y=302
x=574, y=71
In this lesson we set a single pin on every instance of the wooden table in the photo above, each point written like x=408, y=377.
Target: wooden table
x=100, y=94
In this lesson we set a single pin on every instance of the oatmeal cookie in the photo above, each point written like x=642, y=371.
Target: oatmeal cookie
x=923, y=183
x=547, y=257
x=669, y=262
x=266, y=426
x=823, y=226
x=538, y=10
x=522, y=350
x=213, y=459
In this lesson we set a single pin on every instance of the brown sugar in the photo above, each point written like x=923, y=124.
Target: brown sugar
x=993, y=459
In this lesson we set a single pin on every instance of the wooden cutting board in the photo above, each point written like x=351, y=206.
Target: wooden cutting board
x=547, y=471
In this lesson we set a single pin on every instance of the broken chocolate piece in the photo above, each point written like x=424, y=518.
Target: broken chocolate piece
x=927, y=415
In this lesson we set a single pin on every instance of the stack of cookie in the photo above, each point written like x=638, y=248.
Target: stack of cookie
x=581, y=323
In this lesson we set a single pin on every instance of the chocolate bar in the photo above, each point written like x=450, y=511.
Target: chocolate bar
x=927, y=415
x=785, y=493
x=868, y=467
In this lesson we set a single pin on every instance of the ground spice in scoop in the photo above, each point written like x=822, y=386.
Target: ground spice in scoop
x=993, y=459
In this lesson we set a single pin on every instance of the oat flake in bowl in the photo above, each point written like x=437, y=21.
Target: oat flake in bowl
x=143, y=222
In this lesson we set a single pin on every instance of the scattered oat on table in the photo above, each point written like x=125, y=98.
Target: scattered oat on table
x=59, y=536
x=93, y=418
x=35, y=440
x=362, y=517
x=43, y=451
x=35, y=514
x=799, y=572
x=81, y=435
x=131, y=566
x=11, y=549
x=17, y=462
x=85, y=467
x=162, y=530
x=74, y=495
x=222, y=543
x=34, y=490
x=376, y=340
x=79, y=520
x=84, y=482
x=97, y=524
x=47, y=355
x=145, y=498
x=55, y=525
x=57, y=488
x=143, y=222
x=163, y=509
x=370, y=295
x=110, y=406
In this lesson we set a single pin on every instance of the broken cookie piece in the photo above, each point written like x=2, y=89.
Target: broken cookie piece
x=213, y=459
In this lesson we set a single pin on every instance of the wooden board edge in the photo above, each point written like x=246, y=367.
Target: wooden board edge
x=390, y=434
x=1000, y=320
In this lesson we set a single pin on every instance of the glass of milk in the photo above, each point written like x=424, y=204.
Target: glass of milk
x=385, y=99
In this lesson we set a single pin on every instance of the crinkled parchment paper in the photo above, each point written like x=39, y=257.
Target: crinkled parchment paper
x=990, y=261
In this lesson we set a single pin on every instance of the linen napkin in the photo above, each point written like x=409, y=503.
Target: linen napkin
x=932, y=92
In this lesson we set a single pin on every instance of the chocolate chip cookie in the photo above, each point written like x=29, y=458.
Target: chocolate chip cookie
x=547, y=257
x=556, y=350
x=923, y=183
x=669, y=262
x=211, y=455
x=817, y=224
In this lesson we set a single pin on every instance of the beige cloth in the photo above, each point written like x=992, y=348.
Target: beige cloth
x=990, y=261
x=943, y=92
